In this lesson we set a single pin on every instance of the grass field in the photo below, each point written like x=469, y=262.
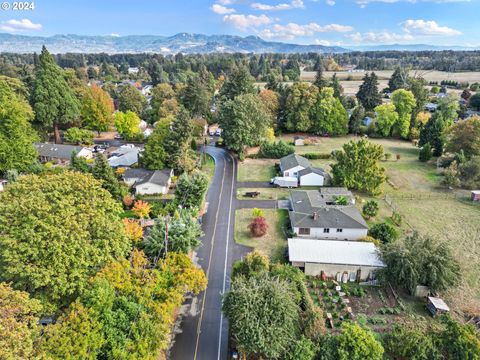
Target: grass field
x=273, y=243
x=256, y=170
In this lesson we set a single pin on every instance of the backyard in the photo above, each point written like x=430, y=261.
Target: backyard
x=274, y=242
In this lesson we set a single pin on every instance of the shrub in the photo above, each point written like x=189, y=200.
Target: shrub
x=258, y=227
x=370, y=209
x=316, y=156
x=275, y=150
x=425, y=153
x=79, y=136
x=128, y=201
x=384, y=232
x=258, y=213
x=141, y=209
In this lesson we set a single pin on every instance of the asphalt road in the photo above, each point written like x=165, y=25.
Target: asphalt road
x=204, y=330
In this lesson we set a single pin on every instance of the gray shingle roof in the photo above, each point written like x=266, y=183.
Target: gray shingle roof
x=57, y=151
x=310, y=170
x=158, y=177
x=292, y=160
x=306, y=203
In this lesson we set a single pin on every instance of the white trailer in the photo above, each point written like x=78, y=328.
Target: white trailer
x=285, y=181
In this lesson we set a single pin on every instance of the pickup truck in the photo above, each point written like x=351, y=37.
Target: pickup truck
x=285, y=181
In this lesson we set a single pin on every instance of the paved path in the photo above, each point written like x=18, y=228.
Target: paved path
x=253, y=184
x=204, y=330
x=261, y=204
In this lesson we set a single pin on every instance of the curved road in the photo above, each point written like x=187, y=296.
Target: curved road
x=204, y=331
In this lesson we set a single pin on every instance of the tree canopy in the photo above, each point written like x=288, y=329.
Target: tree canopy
x=368, y=94
x=57, y=229
x=97, y=109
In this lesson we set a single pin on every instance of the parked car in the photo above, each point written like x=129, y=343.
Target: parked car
x=218, y=132
x=284, y=182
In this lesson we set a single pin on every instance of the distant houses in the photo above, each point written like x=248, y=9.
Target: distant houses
x=124, y=156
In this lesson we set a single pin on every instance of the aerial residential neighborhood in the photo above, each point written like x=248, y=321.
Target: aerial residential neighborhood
x=223, y=179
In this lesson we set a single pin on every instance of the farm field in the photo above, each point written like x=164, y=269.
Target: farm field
x=415, y=192
x=273, y=243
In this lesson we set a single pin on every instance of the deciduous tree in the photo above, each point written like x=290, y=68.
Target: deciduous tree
x=130, y=99
x=128, y=124
x=97, y=109
x=386, y=118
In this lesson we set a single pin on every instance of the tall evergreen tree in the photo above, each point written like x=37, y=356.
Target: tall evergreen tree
x=102, y=171
x=196, y=97
x=368, y=94
x=53, y=100
x=239, y=82
x=177, y=143
x=398, y=80
x=319, y=81
x=337, y=88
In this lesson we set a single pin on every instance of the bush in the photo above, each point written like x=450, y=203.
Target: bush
x=258, y=213
x=275, y=150
x=425, y=153
x=128, y=201
x=370, y=209
x=78, y=136
x=258, y=227
x=384, y=232
x=316, y=156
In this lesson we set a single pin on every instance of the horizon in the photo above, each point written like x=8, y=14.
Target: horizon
x=312, y=22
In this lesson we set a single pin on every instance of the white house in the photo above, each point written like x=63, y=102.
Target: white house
x=352, y=260
x=291, y=164
x=315, y=214
x=124, y=156
x=133, y=70
x=148, y=182
x=3, y=183
x=61, y=153
x=312, y=177
x=147, y=90
x=298, y=141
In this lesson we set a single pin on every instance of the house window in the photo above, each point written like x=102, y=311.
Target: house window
x=304, y=231
x=326, y=230
x=339, y=230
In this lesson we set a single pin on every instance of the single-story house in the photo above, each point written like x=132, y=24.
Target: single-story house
x=476, y=195
x=312, y=177
x=317, y=216
x=133, y=70
x=298, y=141
x=147, y=90
x=357, y=259
x=148, y=182
x=291, y=164
x=61, y=153
x=124, y=156
x=436, y=306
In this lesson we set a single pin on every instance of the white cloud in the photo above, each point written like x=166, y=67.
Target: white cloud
x=19, y=25
x=322, y=42
x=226, y=2
x=294, y=4
x=292, y=30
x=244, y=22
x=115, y=35
x=428, y=28
x=379, y=37
x=330, y=2
x=222, y=10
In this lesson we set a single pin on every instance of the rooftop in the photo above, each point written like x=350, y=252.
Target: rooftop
x=293, y=160
x=58, y=151
x=334, y=252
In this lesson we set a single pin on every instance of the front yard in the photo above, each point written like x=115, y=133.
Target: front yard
x=274, y=242
x=265, y=193
x=256, y=170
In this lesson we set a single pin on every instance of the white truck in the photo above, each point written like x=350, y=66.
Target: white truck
x=284, y=181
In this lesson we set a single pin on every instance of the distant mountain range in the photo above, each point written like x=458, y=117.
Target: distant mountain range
x=183, y=42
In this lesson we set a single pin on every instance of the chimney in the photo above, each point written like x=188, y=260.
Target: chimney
x=315, y=215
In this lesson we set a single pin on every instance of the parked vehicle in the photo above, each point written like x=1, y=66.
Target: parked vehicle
x=284, y=182
x=218, y=132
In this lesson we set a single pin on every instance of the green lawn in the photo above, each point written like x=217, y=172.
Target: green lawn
x=256, y=170
x=265, y=193
x=274, y=242
x=208, y=166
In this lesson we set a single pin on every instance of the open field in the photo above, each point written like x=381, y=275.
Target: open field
x=256, y=169
x=273, y=243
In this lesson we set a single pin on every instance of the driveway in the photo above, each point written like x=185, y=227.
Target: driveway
x=253, y=184
x=203, y=332
x=260, y=204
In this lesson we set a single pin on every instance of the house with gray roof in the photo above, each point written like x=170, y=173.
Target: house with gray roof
x=60, y=153
x=315, y=214
x=291, y=164
x=149, y=182
x=312, y=177
x=124, y=156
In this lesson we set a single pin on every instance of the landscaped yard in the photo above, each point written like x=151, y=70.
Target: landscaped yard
x=274, y=242
x=265, y=193
x=256, y=170
x=425, y=206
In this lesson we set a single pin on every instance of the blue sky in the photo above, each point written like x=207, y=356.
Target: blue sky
x=328, y=22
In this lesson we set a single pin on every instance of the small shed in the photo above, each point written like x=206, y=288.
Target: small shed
x=298, y=141
x=437, y=306
x=476, y=195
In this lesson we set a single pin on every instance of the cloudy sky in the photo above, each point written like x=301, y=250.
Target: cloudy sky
x=328, y=22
